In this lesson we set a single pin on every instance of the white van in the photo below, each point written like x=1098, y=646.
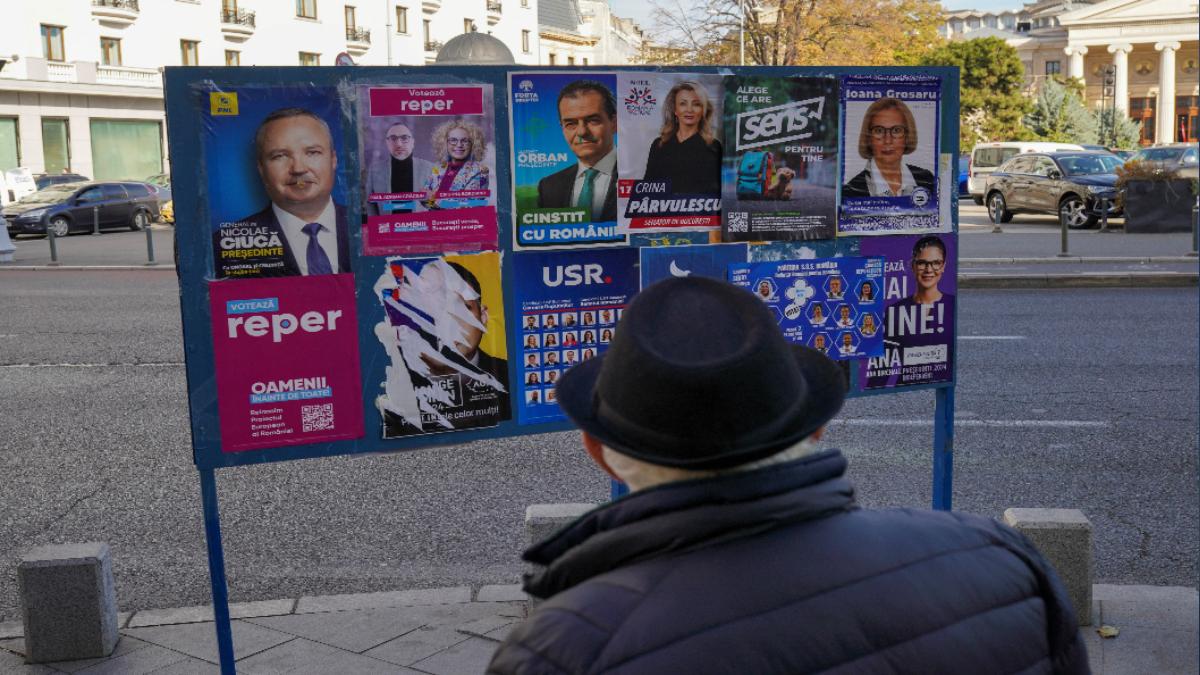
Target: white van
x=987, y=157
x=14, y=184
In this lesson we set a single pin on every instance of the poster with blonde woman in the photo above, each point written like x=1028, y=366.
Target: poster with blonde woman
x=669, y=176
x=428, y=161
x=890, y=151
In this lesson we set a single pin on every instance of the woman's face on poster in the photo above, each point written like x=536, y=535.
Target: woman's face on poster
x=928, y=266
x=689, y=109
x=458, y=144
x=888, y=132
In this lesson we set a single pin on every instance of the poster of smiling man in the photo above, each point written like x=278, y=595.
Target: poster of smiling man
x=779, y=175
x=444, y=337
x=564, y=144
x=671, y=152
x=890, y=146
x=276, y=197
x=429, y=166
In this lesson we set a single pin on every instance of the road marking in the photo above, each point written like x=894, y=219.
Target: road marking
x=991, y=337
x=165, y=364
x=1040, y=424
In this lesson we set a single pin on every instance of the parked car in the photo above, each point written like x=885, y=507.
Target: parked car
x=1123, y=154
x=1181, y=158
x=987, y=157
x=45, y=180
x=71, y=207
x=964, y=176
x=1069, y=184
x=161, y=182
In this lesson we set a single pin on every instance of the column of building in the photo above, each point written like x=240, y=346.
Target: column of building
x=1166, y=92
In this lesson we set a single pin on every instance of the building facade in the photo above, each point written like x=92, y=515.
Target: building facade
x=1149, y=48
x=586, y=33
x=81, y=87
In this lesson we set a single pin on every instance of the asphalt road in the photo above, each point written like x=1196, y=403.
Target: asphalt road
x=1083, y=398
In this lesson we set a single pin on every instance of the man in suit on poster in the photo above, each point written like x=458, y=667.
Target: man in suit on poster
x=587, y=112
x=401, y=171
x=298, y=166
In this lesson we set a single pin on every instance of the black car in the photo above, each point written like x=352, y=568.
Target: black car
x=72, y=207
x=45, y=180
x=1071, y=185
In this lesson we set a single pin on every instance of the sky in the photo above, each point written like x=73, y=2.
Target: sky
x=642, y=11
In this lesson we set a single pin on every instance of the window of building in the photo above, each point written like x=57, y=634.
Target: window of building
x=468, y=25
x=189, y=52
x=425, y=33
x=56, y=144
x=52, y=43
x=1142, y=109
x=310, y=59
x=524, y=3
x=525, y=41
x=306, y=9
x=1053, y=67
x=402, y=20
x=10, y=143
x=570, y=60
x=585, y=61
x=1187, y=112
x=123, y=149
x=233, y=57
x=110, y=51
x=350, y=22
x=552, y=58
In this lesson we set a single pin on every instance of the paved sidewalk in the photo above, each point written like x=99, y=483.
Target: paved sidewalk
x=453, y=631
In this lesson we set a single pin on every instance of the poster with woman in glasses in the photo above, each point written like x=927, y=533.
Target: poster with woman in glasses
x=890, y=151
x=918, y=325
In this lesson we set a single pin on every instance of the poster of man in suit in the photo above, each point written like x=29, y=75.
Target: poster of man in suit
x=564, y=131
x=276, y=195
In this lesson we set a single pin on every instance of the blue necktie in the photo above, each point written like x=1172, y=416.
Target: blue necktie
x=318, y=262
x=587, y=192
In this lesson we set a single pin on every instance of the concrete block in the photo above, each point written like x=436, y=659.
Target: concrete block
x=419, y=596
x=1064, y=537
x=68, y=601
x=543, y=520
x=498, y=593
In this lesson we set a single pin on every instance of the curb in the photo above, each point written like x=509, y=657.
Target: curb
x=1093, y=280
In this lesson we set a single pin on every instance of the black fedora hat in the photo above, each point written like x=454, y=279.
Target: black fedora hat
x=699, y=376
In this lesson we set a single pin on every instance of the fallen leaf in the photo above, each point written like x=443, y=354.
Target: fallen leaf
x=1108, y=631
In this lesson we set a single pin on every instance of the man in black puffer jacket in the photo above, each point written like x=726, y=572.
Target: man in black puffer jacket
x=741, y=549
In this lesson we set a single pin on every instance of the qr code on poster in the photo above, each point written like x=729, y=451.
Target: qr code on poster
x=317, y=417
x=737, y=221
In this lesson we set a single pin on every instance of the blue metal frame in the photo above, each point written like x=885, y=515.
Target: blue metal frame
x=185, y=93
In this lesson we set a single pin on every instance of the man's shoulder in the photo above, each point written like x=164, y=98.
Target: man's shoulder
x=560, y=176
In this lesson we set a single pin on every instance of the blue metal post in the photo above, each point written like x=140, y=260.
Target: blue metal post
x=943, y=449
x=216, y=570
x=619, y=489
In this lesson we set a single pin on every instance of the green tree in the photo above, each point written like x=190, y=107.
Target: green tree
x=1127, y=132
x=991, y=77
x=1059, y=116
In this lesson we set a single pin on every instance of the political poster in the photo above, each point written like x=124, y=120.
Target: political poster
x=564, y=148
x=890, y=155
x=671, y=151
x=711, y=260
x=428, y=165
x=919, y=293
x=276, y=196
x=443, y=334
x=779, y=176
x=570, y=302
x=829, y=304
x=286, y=359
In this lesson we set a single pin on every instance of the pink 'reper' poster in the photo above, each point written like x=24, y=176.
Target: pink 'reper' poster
x=286, y=356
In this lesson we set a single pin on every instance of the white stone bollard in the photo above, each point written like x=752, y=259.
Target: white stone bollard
x=1063, y=537
x=68, y=601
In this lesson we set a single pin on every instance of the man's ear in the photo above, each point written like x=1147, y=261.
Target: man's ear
x=595, y=450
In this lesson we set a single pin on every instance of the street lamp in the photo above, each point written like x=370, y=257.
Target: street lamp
x=742, y=30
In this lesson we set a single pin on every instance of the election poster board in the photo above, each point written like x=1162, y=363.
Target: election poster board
x=671, y=151
x=890, y=155
x=264, y=146
x=564, y=154
x=415, y=326
x=829, y=304
x=779, y=176
x=569, y=304
x=919, y=293
x=428, y=166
